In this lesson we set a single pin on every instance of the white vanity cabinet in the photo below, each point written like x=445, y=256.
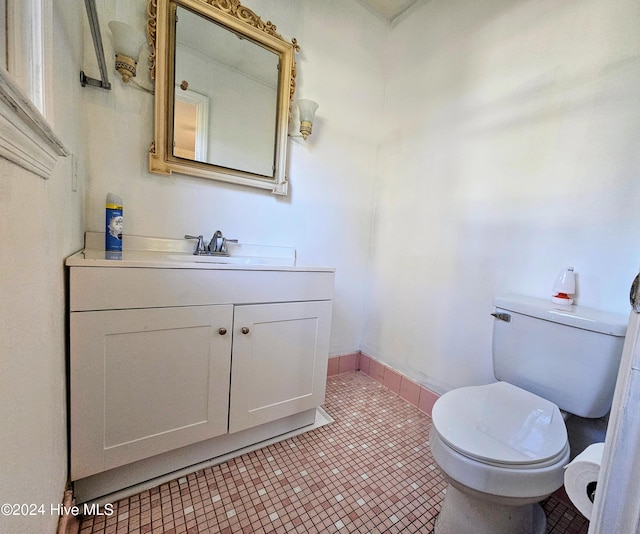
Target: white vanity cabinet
x=182, y=364
x=279, y=361
x=146, y=381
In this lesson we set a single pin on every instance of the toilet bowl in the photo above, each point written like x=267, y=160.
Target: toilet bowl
x=503, y=446
x=502, y=449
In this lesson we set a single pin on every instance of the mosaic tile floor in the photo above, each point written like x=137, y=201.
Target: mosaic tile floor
x=369, y=471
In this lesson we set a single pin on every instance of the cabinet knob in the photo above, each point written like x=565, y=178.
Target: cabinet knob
x=222, y=331
x=245, y=330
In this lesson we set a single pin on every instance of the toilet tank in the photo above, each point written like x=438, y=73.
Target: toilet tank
x=566, y=354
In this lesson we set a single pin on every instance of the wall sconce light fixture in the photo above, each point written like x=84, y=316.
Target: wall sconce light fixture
x=126, y=42
x=306, y=113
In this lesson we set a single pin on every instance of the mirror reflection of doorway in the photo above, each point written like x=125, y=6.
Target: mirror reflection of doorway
x=191, y=125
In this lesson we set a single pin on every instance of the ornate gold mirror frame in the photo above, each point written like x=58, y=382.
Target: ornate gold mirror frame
x=240, y=20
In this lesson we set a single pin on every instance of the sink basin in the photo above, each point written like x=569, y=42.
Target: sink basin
x=243, y=254
x=235, y=260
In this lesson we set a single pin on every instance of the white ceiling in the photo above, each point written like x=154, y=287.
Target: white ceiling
x=388, y=9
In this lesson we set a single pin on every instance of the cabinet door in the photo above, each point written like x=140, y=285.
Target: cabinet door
x=279, y=361
x=146, y=381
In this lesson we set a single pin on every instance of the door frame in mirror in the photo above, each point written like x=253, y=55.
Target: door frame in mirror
x=241, y=20
x=201, y=126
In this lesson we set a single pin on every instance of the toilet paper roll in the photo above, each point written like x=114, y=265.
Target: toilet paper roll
x=580, y=478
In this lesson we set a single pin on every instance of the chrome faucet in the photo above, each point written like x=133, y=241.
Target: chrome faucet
x=200, y=248
x=218, y=244
x=216, y=247
x=217, y=240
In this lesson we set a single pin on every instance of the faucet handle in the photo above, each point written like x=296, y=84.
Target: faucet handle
x=200, y=246
x=223, y=249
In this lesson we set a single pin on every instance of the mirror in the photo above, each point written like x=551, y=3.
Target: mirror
x=224, y=83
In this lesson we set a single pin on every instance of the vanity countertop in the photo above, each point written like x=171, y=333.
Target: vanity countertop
x=175, y=254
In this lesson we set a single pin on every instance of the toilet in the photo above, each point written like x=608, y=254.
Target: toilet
x=503, y=446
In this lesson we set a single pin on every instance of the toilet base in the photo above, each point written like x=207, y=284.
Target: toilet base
x=463, y=513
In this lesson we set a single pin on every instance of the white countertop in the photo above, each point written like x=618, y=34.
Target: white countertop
x=158, y=253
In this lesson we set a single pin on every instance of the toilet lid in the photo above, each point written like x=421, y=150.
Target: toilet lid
x=500, y=423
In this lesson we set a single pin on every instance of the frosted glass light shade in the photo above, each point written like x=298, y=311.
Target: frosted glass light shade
x=126, y=39
x=307, y=110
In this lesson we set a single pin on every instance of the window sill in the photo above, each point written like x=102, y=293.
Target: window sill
x=26, y=138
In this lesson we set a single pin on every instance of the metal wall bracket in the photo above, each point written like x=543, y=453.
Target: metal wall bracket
x=502, y=316
x=94, y=25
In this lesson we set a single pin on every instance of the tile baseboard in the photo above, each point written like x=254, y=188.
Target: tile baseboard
x=414, y=393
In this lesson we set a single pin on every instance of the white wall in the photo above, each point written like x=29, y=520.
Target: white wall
x=327, y=215
x=42, y=223
x=509, y=152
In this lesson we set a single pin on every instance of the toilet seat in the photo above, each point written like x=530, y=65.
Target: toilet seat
x=501, y=424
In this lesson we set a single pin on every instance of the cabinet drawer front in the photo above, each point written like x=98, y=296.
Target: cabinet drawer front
x=110, y=288
x=279, y=361
x=145, y=382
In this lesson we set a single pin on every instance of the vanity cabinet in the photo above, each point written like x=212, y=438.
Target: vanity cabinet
x=146, y=381
x=279, y=363
x=164, y=358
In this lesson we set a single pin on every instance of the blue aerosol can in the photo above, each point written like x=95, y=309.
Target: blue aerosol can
x=113, y=231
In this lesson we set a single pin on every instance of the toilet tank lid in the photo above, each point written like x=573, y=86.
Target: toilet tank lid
x=578, y=316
